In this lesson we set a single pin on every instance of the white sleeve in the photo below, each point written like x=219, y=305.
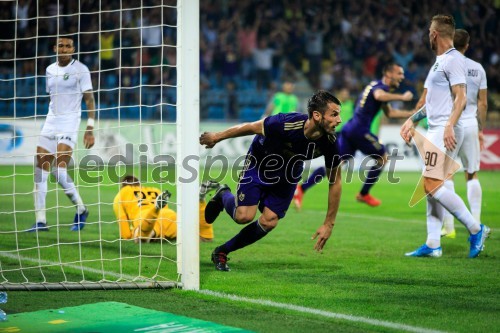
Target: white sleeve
x=483, y=84
x=85, y=80
x=455, y=71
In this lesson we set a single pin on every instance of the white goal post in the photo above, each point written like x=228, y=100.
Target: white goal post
x=188, y=126
x=147, y=123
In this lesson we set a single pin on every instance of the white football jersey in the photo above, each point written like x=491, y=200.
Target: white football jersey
x=448, y=70
x=65, y=86
x=476, y=80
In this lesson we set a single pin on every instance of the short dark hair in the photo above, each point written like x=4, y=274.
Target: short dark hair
x=130, y=180
x=445, y=24
x=65, y=36
x=319, y=102
x=461, y=39
x=389, y=66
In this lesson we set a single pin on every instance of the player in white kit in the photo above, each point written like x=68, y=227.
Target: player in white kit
x=472, y=120
x=445, y=101
x=68, y=81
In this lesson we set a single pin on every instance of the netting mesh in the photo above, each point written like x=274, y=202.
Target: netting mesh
x=130, y=50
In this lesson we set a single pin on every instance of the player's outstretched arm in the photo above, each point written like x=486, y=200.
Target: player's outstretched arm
x=88, y=137
x=395, y=113
x=334, y=193
x=210, y=139
x=384, y=96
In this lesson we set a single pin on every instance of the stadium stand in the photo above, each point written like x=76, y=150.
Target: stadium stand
x=357, y=39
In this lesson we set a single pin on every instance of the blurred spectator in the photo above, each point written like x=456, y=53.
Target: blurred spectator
x=263, y=61
x=151, y=30
x=314, y=47
x=251, y=43
x=107, y=52
x=230, y=65
x=402, y=55
x=247, y=40
x=233, y=109
x=20, y=10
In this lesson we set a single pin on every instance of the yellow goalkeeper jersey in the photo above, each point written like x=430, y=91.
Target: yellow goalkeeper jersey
x=135, y=203
x=129, y=201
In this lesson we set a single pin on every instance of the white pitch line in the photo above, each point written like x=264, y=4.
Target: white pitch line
x=303, y=309
x=285, y=306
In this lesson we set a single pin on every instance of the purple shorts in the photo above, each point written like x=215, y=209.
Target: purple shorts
x=364, y=141
x=271, y=193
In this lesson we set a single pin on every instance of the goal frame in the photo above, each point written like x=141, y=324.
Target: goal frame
x=187, y=160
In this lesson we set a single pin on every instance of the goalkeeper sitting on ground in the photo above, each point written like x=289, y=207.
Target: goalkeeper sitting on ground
x=142, y=212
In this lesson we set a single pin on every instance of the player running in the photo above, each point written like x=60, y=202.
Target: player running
x=356, y=134
x=272, y=169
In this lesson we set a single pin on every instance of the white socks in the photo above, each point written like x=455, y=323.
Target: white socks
x=448, y=220
x=62, y=177
x=435, y=213
x=475, y=196
x=40, y=193
x=455, y=205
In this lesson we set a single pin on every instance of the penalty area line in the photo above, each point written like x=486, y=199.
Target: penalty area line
x=323, y=313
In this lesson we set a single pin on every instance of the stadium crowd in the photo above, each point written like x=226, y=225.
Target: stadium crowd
x=246, y=45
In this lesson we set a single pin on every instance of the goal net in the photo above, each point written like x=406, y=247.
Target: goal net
x=143, y=62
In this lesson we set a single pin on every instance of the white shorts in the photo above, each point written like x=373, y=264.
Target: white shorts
x=469, y=153
x=49, y=143
x=439, y=162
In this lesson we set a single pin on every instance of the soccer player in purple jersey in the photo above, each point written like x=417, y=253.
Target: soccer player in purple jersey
x=356, y=134
x=273, y=166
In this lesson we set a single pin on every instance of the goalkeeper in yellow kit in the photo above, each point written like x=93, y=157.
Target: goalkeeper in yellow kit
x=142, y=212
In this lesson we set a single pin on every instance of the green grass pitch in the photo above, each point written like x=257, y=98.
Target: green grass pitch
x=362, y=271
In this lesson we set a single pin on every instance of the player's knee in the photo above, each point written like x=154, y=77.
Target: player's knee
x=268, y=223
x=243, y=217
x=470, y=176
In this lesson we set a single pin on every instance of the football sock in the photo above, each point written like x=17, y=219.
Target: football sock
x=62, y=177
x=455, y=205
x=229, y=203
x=435, y=213
x=40, y=194
x=371, y=179
x=475, y=196
x=315, y=177
x=448, y=220
x=248, y=235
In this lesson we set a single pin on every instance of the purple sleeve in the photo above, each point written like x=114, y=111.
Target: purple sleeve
x=273, y=125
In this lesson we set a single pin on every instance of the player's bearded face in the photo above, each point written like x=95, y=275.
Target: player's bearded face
x=326, y=126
